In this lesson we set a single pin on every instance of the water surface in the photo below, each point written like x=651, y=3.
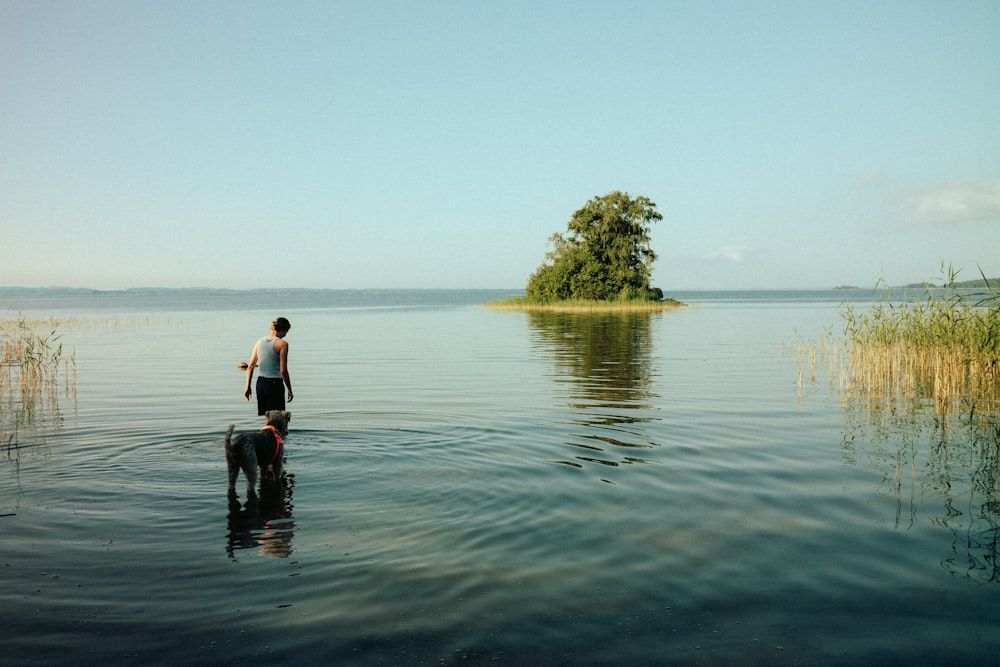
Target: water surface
x=469, y=486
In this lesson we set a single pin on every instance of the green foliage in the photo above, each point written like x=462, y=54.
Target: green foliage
x=604, y=256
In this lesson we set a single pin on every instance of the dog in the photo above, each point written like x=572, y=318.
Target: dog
x=258, y=453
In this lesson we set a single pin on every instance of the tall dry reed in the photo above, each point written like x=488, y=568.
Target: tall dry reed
x=944, y=346
x=30, y=365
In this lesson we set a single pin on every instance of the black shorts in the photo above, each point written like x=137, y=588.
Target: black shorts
x=270, y=394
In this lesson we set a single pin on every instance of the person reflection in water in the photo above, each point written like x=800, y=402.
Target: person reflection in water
x=271, y=353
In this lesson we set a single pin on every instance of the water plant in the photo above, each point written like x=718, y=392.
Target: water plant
x=943, y=346
x=30, y=366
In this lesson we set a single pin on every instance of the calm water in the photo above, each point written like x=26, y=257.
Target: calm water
x=471, y=486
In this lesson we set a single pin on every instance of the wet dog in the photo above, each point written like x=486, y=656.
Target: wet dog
x=259, y=454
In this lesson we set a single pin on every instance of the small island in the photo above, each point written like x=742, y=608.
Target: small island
x=601, y=264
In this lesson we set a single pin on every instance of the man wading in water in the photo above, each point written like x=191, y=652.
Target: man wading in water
x=271, y=353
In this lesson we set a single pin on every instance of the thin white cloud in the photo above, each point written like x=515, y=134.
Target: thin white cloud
x=729, y=253
x=947, y=203
x=873, y=178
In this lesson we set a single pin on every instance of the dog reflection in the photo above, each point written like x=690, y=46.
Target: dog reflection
x=265, y=523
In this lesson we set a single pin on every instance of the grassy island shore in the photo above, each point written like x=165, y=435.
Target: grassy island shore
x=584, y=305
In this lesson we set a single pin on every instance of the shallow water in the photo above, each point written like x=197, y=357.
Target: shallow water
x=470, y=485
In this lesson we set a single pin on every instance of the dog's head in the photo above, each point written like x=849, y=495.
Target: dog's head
x=278, y=419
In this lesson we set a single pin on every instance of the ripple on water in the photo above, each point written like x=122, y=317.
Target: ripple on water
x=508, y=495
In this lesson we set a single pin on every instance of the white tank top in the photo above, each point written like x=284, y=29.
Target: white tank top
x=267, y=360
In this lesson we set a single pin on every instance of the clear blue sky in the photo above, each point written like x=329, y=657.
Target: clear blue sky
x=439, y=144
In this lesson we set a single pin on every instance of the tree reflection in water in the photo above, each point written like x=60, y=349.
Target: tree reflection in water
x=603, y=362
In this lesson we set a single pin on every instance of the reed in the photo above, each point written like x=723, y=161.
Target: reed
x=945, y=346
x=825, y=352
x=583, y=305
x=30, y=365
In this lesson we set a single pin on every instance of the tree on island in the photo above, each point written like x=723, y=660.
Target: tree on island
x=604, y=256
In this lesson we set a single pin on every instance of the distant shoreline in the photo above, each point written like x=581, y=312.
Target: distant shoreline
x=31, y=290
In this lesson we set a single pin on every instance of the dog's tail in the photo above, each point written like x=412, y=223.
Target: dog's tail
x=229, y=434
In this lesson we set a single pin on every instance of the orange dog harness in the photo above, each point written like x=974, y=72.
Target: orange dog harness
x=277, y=441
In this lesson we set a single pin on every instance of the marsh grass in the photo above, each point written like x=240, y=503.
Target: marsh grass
x=31, y=364
x=583, y=305
x=943, y=347
x=811, y=356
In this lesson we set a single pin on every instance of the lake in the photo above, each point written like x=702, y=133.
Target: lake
x=471, y=486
